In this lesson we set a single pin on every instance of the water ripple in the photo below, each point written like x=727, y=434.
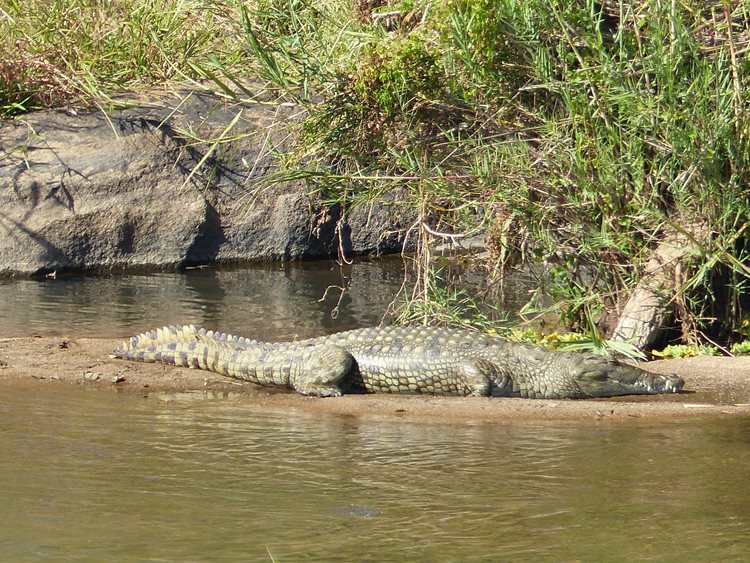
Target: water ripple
x=99, y=475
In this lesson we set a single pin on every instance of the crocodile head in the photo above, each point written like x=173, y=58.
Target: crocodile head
x=601, y=377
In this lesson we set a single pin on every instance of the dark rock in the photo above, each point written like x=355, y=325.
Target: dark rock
x=135, y=189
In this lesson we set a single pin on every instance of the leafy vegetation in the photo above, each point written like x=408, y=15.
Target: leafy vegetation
x=576, y=342
x=574, y=134
x=687, y=351
x=741, y=348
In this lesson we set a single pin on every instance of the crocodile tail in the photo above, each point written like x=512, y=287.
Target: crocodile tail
x=183, y=346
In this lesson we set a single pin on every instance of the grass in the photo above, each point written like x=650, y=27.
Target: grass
x=574, y=134
x=78, y=52
x=577, y=135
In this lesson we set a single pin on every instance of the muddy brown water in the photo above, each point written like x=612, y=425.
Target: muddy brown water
x=92, y=474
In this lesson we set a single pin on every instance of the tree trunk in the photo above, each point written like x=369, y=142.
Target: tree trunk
x=649, y=311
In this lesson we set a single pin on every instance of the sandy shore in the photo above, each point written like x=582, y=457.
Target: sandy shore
x=717, y=387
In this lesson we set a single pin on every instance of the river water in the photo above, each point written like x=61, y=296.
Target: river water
x=266, y=302
x=89, y=474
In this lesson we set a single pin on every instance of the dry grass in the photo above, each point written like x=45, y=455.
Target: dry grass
x=61, y=52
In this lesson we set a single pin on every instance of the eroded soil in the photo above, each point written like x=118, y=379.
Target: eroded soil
x=713, y=387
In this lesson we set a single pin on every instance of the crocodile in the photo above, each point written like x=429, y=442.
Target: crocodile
x=417, y=360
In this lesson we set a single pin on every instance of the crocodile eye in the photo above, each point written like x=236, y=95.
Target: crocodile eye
x=596, y=375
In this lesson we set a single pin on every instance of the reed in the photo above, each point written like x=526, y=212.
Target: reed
x=574, y=134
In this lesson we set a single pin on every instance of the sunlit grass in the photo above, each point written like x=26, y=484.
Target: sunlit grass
x=578, y=134
x=59, y=52
x=574, y=134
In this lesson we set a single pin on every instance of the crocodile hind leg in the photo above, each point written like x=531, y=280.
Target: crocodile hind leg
x=484, y=379
x=323, y=372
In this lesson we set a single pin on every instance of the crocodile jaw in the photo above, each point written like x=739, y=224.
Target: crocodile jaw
x=613, y=380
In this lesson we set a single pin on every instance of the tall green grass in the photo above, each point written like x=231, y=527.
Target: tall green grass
x=579, y=134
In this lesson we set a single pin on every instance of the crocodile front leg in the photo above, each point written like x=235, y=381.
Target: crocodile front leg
x=323, y=371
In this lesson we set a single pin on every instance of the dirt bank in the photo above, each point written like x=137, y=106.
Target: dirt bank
x=715, y=387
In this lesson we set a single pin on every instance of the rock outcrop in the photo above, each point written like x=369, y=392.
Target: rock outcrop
x=141, y=187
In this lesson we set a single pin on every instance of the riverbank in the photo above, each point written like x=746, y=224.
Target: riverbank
x=717, y=387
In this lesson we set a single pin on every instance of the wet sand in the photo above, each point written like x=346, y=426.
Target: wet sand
x=714, y=386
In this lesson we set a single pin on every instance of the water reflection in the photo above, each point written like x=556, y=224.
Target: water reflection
x=270, y=302
x=274, y=301
x=92, y=474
